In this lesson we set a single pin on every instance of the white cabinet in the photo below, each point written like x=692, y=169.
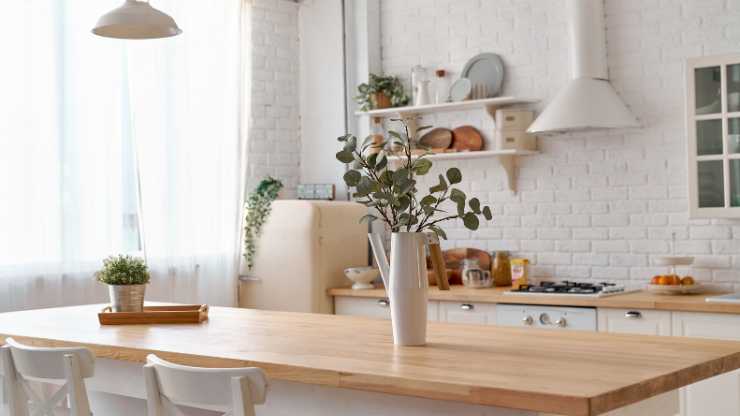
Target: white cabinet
x=374, y=308
x=371, y=307
x=718, y=395
x=467, y=313
x=634, y=321
x=713, y=130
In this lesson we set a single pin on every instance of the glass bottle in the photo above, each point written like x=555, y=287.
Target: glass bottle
x=441, y=87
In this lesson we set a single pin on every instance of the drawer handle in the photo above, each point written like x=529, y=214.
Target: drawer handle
x=633, y=315
x=383, y=303
x=466, y=307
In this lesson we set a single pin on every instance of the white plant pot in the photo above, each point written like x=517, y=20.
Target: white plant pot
x=408, y=288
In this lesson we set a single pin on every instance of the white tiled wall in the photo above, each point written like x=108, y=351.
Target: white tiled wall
x=274, y=136
x=591, y=206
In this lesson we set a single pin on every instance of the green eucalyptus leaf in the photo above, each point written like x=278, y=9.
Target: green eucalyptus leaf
x=403, y=203
x=351, y=144
x=401, y=174
x=441, y=187
x=369, y=218
x=344, y=138
x=352, y=177
x=345, y=156
x=422, y=166
x=381, y=162
x=386, y=178
x=461, y=208
x=422, y=128
x=454, y=175
x=487, y=213
x=475, y=205
x=470, y=221
x=457, y=196
x=440, y=232
x=428, y=200
x=372, y=160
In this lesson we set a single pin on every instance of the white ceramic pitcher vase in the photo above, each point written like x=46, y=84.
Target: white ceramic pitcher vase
x=406, y=283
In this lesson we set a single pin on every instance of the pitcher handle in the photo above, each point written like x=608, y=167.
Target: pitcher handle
x=376, y=242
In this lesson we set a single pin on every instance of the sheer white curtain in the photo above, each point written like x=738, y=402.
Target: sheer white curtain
x=75, y=112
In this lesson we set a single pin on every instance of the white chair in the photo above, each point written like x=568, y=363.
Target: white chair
x=231, y=390
x=22, y=363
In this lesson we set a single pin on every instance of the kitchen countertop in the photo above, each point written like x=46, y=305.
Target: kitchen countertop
x=637, y=300
x=562, y=372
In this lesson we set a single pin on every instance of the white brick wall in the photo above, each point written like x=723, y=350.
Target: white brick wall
x=274, y=136
x=592, y=205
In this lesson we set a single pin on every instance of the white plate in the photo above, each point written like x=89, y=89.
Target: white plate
x=675, y=289
x=460, y=90
x=486, y=74
x=674, y=261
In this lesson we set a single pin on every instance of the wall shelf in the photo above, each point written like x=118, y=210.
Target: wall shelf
x=507, y=159
x=490, y=104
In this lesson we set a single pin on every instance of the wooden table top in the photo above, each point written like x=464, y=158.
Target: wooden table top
x=553, y=371
x=637, y=300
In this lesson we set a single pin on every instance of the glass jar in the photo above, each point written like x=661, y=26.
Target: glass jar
x=473, y=276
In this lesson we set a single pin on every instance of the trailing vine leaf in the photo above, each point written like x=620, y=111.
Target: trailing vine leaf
x=256, y=211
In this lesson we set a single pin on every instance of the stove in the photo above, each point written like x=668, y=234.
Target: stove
x=569, y=288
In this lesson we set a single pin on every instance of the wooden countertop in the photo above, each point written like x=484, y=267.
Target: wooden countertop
x=562, y=372
x=637, y=300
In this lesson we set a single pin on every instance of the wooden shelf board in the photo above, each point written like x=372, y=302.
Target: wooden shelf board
x=456, y=106
x=480, y=154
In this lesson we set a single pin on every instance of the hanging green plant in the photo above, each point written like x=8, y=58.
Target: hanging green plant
x=256, y=211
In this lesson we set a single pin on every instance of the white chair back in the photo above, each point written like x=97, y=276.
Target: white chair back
x=23, y=363
x=234, y=391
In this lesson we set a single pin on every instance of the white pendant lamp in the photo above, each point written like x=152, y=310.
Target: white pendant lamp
x=136, y=20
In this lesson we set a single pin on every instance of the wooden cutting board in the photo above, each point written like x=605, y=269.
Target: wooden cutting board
x=454, y=262
x=437, y=138
x=466, y=138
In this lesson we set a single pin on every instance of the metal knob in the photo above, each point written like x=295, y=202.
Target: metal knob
x=383, y=303
x=528, y=320
x=545, y=319
x=561, y=322
x=633, y=315
x=466, y=307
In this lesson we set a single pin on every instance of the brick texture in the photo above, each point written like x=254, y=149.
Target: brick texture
x=274, y=133
x=599, y=205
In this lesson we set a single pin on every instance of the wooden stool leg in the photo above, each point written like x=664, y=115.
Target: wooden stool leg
x=79, y=403
x=241, y=397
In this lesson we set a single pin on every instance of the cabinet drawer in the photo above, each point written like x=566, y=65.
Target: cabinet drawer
x=375, y=308
x=371, y=307
x=467, y=313
x=634, y=321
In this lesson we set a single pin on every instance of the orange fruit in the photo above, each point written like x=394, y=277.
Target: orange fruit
x=687, y=281
x=655, y=280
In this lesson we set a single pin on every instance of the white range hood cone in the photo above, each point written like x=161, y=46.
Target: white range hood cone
x=588, y=101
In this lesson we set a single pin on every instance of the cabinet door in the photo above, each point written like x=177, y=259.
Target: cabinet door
x=635, y=321
x=467, y=313
x=713, y=129
x=718, y=395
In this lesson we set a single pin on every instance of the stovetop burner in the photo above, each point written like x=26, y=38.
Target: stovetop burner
x=567, y=287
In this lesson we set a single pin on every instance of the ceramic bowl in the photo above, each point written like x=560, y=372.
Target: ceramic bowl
x=362, y=276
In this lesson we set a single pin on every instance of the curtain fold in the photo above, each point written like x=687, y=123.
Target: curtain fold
x=110, y=146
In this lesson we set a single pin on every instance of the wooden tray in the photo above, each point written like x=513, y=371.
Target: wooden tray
x=174, y=314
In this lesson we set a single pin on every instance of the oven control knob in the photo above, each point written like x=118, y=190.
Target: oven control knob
x=545, y=319
x=561, y=322
x=528, y=320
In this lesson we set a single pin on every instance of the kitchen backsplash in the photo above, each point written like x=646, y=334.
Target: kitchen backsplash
x=592, y=206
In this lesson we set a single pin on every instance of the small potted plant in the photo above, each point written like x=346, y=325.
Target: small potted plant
x=381, y=92
x=126, y=278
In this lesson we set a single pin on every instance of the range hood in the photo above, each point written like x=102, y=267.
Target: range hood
x=588, y=101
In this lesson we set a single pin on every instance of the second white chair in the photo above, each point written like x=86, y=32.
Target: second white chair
x=231, y=390
x=22, y=363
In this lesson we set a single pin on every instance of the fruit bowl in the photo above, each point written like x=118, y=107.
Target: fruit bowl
x=362, y=276
x=675, y=289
